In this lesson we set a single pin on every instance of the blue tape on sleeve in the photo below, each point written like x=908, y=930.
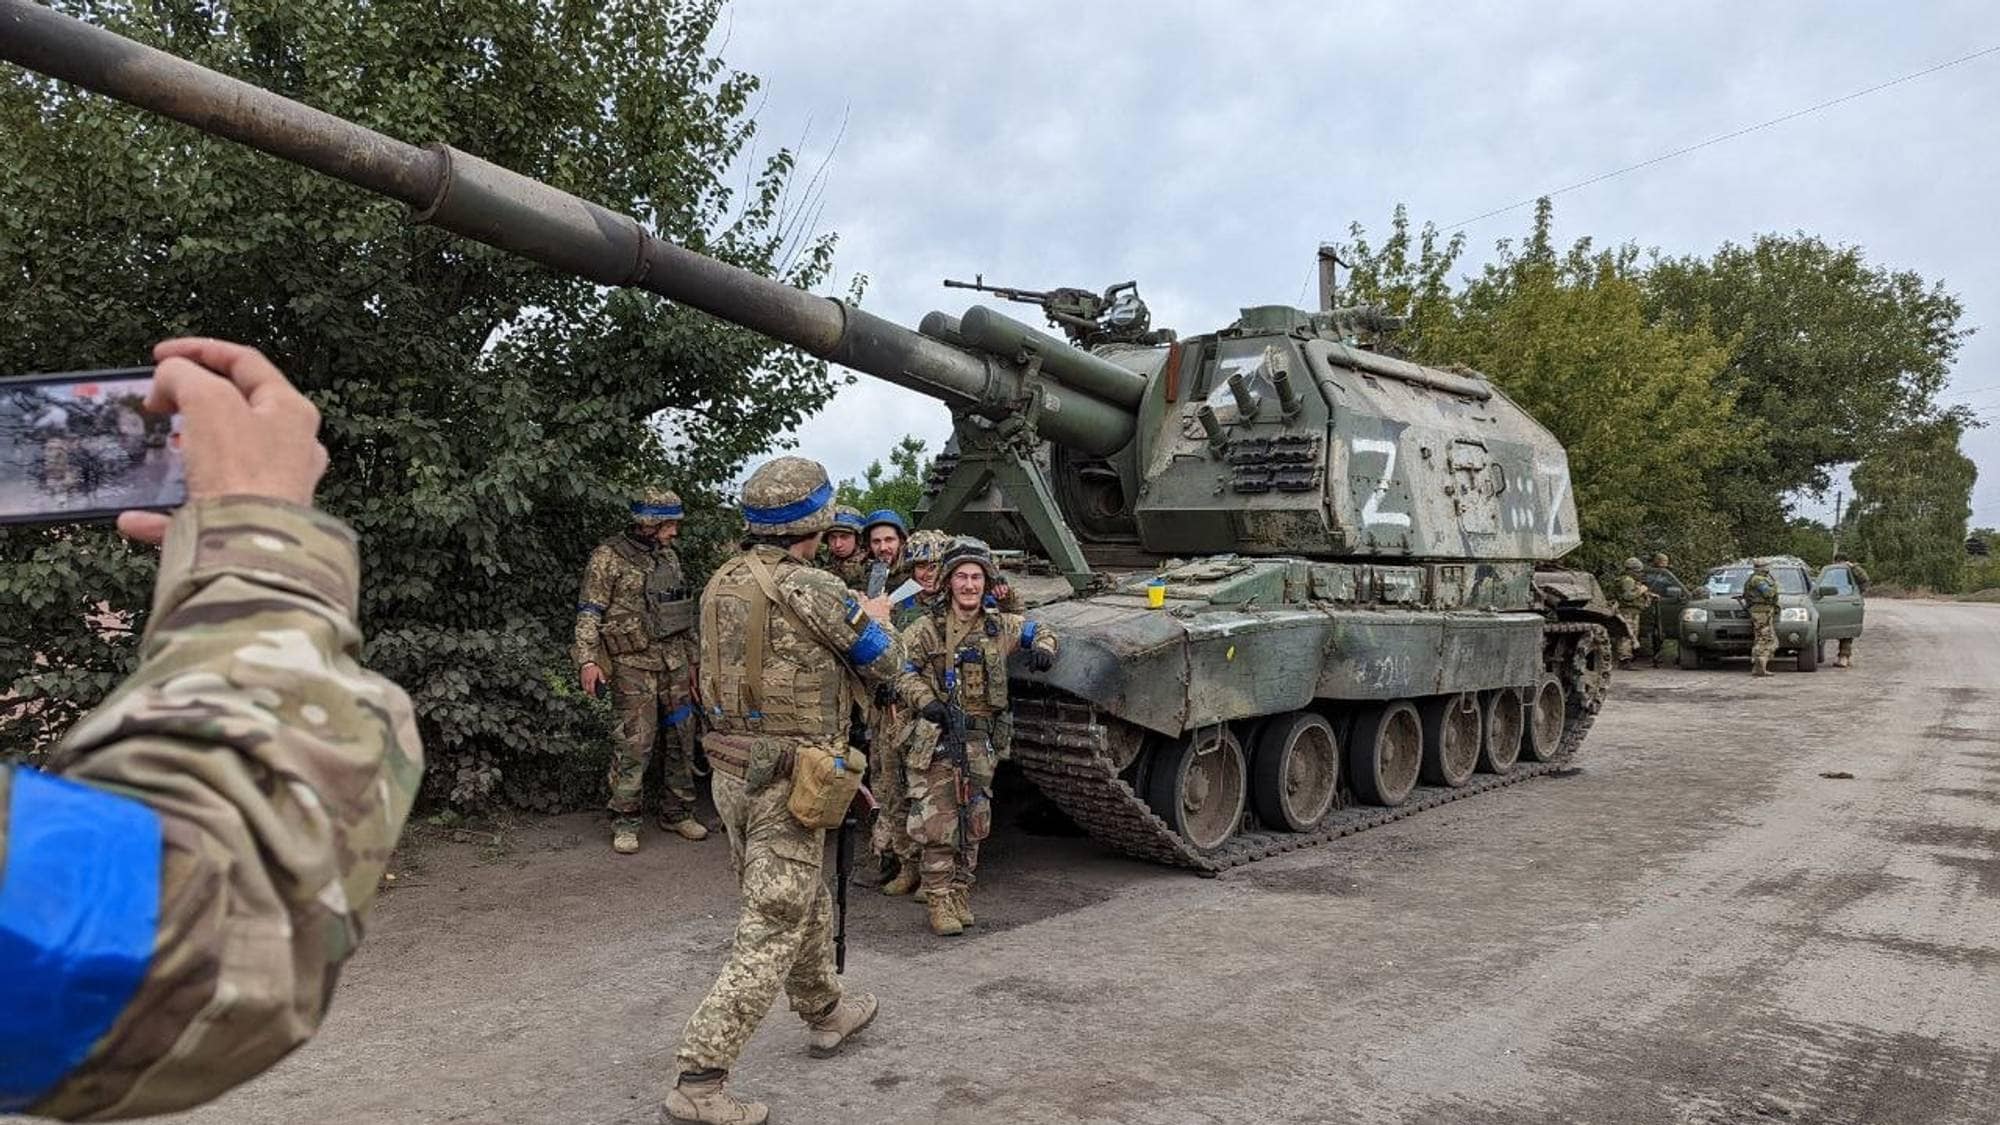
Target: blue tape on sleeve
x=590, y=607
x=79, y=905
x=678, y=715
x=869, y=646
x=1028, y=632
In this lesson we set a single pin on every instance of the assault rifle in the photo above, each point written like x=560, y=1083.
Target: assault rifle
x=859, y=811
x=952, y=744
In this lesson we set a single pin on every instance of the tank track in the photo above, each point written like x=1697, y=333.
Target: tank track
x=1061, y=745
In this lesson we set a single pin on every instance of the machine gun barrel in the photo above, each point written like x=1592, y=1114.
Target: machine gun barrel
x=485, y=202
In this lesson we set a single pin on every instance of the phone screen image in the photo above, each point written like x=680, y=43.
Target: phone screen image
x=79, y=446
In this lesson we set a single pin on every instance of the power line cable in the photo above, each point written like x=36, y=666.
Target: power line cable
x=1730, y=136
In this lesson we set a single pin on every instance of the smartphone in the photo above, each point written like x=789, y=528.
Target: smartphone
x=80, y=446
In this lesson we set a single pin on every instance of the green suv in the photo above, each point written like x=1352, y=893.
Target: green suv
x=1710, y=621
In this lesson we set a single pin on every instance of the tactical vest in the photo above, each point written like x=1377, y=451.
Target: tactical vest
x=980, y=660
x=665, y=609
x=1759, y=591
x=762, y=672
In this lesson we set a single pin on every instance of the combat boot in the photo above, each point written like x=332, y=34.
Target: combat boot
x=707, y=1101
x=1757, y=668
x=625, y=836
x=942, y=908
x=904, y=883
x=840, y=1023
x=961, y=903
x=686, y=827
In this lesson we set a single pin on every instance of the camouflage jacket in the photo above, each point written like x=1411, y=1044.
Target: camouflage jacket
x=976, y=651
x=1760, y=590
x=1631, y=593
x=1859, y=575
x=634, y=599
x=811, y=640
x=211, y=847
x=852, y=570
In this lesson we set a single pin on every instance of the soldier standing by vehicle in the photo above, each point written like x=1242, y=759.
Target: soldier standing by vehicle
x=1845, y=658
x=781, y=645
x=844, y=556
x=894, y=727
x=1760, y=597
x=1654, y=632
x=634, y=626
x=1632, y=597
x=956, y=678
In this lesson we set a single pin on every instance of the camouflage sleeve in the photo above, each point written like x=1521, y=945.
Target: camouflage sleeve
x=921, y=642
x=591, y=598
x=1022, y=632
x=826, y=607
x=1860, y=576
x=229, y=810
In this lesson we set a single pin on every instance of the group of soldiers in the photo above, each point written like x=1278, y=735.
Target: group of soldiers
x=828, y=630
x=1641, y=587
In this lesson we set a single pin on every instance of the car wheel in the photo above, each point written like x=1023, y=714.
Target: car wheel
x=1688, y=656
x=1809, y=656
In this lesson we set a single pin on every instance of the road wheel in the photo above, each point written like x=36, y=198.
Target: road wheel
x=1451, y=739
x=1688, y=657
x=1295, y=772
x=1546, y=719
x=1809, y=657
x=1386, y=752
x=1196, y=785
x=1500, y=747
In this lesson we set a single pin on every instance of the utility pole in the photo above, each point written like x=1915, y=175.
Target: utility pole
x=1838, y=496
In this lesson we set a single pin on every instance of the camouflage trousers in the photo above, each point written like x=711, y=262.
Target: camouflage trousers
x=1624, y=648
x=653, y=706
x=1846, y=649
x=891, y=835
x=1763, y=632
x=948, y=857
x=784, y=935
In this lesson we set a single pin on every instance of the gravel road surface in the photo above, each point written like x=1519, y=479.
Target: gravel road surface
x=1695, y=926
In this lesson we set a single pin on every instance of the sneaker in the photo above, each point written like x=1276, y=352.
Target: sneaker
x=853, y=1012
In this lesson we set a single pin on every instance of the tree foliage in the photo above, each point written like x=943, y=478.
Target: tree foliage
x=1694, y=395
x=486, y=418
x=1912, y=500
x=900, y=487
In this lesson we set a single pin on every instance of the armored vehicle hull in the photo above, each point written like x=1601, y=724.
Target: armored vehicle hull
x=1369, y=625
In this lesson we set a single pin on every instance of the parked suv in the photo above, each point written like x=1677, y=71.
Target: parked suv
x=1711, y=622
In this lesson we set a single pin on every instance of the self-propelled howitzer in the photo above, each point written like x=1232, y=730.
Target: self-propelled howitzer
x=1294, y=578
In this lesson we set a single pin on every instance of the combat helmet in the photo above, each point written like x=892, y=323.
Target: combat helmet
x=926, y=546
x=846, y=517
x=1634, y=565
x=1660, y=560
x=967, y=549
x=788, y=496
x=881, y=516
x=655, y=506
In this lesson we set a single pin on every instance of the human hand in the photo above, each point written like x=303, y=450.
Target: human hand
x=245, y=430
x=593, y=679
x=1041, y=659
x=877, y=607
x=934, y=712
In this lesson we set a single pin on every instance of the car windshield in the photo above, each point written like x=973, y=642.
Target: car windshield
x=1729, y=580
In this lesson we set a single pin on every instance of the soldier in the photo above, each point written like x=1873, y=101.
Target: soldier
x=1845, y=658
x=844, y=556
x=1760, y=597
x=956, y=675
x=634, y=629
x=1658, y=577
x=891, y=838
x=885, y=533
x=179, y=891
x=781, y=645
x=1631, y=597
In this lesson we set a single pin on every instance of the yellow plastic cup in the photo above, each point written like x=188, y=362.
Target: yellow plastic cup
x=1156, y=594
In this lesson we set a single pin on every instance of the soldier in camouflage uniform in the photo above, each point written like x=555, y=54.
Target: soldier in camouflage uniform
x=895, y=725
x=1658, y=578
x=1631, y=597
x=179, y=891
x=885, y=535
x=844, y=556
x=957, y=659
x=635, y=630
x=1845, y=658
x=782, y=644
x=1760, y=597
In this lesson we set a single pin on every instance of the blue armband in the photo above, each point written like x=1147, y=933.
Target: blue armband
x=1028, y=632
x=79, y=907
x=870, y=645
x=678, y=715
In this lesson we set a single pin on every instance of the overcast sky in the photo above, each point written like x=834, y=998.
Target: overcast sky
x=1207, y=149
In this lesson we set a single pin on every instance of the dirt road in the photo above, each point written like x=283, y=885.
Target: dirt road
x=1694, y=927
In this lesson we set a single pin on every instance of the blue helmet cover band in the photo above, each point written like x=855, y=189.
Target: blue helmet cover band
x=796, y=510
x=657, y=511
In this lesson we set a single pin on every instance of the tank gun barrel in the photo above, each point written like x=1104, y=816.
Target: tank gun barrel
x=476, y=199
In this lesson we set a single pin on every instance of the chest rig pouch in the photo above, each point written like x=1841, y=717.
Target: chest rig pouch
x=982, y=668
